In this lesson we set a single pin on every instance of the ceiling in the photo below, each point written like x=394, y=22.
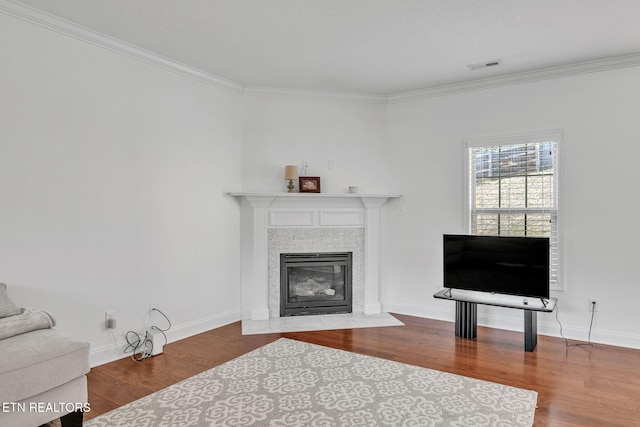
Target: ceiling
x=363, y=46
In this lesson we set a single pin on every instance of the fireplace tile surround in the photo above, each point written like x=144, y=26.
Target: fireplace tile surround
x=275, y=223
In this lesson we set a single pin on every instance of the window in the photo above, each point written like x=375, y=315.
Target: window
x=513, y=189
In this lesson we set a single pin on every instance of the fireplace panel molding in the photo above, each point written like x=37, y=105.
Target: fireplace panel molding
x=293, y=218
x=346, y=217
x=333, y=217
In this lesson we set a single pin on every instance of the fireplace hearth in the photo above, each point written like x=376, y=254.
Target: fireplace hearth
x=315, y=283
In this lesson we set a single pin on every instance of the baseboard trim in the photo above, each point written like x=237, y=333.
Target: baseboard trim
x=113, y=352
x=551, y=329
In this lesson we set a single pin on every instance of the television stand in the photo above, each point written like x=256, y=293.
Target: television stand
x=467, y=311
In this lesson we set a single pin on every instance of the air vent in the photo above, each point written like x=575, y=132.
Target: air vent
x=487, y=64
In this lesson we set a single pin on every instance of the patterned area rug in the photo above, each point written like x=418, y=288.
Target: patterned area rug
x=291, y=383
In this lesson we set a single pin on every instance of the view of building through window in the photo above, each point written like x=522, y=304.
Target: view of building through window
x=508, y=179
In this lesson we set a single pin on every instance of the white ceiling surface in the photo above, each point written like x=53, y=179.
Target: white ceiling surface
x=363, y=46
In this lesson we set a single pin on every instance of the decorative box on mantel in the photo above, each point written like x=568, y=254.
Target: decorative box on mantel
x=276, y=222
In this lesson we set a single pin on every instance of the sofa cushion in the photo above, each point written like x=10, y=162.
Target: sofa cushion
x=7, y=307
x=37, y=361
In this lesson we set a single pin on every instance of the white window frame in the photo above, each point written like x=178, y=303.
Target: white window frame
x=556, y=135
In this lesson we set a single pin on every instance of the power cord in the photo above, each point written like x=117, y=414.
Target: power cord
x=566, y=341
x=142, y=347
x=138, y=343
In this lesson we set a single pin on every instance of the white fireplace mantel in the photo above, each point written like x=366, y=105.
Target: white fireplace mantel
x=262, y=211
x=269, y=198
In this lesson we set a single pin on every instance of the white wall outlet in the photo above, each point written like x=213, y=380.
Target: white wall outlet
x=109, y=319
x=331, y=165
x=153, y=305
x=594, y=305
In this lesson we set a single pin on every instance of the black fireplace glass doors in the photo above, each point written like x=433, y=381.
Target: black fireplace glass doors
x=315, y=283
x=311, y=282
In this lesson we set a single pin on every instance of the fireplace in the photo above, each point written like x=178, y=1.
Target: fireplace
x=315, y=283
x=276, y=223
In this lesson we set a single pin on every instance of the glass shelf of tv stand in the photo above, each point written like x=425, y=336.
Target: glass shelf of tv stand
x=499, y=300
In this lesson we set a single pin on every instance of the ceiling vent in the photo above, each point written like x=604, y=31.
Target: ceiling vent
x=487, y=64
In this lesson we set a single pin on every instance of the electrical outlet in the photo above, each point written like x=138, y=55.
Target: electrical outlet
x=594, y=305
x=109, y=319
x=153, y=305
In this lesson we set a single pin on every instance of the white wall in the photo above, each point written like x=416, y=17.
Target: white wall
x=282, y=129
x=112, y=181
x=598, y=195
x=112, y=174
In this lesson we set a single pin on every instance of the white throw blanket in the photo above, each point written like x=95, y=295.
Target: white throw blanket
x=29, y=320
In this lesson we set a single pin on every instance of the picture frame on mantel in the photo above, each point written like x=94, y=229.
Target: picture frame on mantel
x=309, y=184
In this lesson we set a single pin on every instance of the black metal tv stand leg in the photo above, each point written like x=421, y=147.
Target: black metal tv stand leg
x=467, y=324
x=530, y=330
x=466, y=319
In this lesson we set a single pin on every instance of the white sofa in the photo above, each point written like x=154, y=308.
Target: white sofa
x=42, y=372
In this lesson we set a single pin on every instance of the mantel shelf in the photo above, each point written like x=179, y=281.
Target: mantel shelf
x=320, y=195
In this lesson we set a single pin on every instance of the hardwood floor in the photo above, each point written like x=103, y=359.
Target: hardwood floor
x=577, y=386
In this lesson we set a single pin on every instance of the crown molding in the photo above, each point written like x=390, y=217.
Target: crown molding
x=521, y=78
x=78, y=32
x=358, y=97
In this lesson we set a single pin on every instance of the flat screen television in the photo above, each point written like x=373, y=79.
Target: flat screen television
x=504, y=265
